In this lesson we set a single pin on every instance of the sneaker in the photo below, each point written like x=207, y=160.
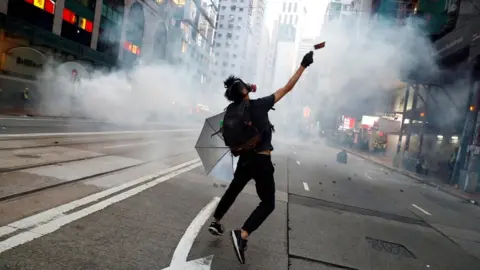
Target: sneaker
x=216, y=228
x=239, y=245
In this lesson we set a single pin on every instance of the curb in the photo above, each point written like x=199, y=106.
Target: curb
x=411, y=175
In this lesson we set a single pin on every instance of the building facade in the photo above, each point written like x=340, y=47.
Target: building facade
x=77, y=36
x=190, y=41
x=233, y=30
x=256, y=44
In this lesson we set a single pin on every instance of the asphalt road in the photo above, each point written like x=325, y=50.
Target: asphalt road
x=327, y=216
x=15, y=125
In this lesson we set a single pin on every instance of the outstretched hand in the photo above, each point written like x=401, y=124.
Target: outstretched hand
x=307, y=59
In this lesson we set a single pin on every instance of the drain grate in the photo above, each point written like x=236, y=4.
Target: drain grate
x=392, y=248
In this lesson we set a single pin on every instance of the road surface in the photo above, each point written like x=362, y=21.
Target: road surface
x=14, y=125
x=153, y=213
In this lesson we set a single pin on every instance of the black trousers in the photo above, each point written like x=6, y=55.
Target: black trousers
x=260, y=168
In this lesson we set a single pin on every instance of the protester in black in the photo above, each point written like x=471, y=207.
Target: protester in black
x=256, y=164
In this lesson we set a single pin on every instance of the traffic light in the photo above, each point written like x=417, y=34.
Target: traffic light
x=422, y=114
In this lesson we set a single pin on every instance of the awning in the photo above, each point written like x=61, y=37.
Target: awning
x=465, y=37
x=475, y=45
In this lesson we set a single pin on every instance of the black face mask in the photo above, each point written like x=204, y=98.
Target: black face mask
x=246, y=85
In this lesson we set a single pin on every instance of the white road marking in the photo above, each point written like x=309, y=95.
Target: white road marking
x=55, y=224
x=28, y=135
x=305, y=186
x=298, y=162
x=131, y=144
x=59, y=211
x=180, y=255
x=422, y=210
x=368, y=176
x=144, y=143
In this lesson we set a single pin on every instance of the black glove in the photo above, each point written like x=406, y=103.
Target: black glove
x=307, y=59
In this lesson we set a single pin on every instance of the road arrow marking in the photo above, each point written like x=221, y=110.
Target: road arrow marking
x=179, y=258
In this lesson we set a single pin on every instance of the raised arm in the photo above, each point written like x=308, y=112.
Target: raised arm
x=306, y=61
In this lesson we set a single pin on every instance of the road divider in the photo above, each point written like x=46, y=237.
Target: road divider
x=57, y=212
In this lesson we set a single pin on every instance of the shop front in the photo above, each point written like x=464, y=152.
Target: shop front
x=19, y=69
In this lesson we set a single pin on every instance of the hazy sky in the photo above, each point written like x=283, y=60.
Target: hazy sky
x=316, y=12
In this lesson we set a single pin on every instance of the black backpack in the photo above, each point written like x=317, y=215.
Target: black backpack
x=238, y=131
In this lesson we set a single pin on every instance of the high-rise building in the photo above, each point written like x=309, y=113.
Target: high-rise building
x=191, y=38
x=255, y=58
x=233, y=30
x=344, y=13
x=287, y=39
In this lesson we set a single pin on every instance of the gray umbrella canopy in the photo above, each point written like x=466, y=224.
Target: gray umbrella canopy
x=215, y=156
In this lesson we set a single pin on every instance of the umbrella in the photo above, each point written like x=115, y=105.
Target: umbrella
x=214, y=154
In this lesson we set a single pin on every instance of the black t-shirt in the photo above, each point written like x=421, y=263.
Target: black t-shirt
x=259, y=113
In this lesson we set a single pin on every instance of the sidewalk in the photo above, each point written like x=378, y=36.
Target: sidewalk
x=429, y=180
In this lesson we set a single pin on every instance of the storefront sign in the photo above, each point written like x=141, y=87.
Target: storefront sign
x=388, y=125
x=453, y=42
x=475, y=46
x=24, y=61
x=348, y=123
x=369, y=120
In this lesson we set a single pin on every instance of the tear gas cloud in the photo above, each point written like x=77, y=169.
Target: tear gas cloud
x=358, y=63
x=358, y=69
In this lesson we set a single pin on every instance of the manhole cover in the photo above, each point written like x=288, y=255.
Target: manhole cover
x=392, y=248
x=27, y=156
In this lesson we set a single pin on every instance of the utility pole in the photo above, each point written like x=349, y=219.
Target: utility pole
x=473, y=152
x=402, y=127
x=412, y=110
x=470, y=120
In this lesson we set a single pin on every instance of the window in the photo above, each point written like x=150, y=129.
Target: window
x=179, y=2
x=225, y=64
x=230, y=26
x=285, y=19
x=234, y=56
x=218, y=45
x=224, y=7
x=295, y=7
x=240, y=18
x=222, y=17
x=231, y=18
x=237, y=37
x=238, y=27
x=233, y=65
x=219, y=35
x=241, y=9
x=290, y=7
x=233, y=8
x=221, y=25
x=291, y=19
x=229, y=35
x=284, y=6
x=296, y=19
